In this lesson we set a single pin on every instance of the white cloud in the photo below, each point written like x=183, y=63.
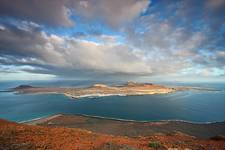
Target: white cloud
x=59, y=12
x=69, y=53
x=113, y=12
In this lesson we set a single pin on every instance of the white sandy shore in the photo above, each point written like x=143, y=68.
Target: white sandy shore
x=41, y=120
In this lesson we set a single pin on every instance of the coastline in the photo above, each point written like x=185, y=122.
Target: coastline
x=39, y=119
x=106, y=95
x=49, y=117
x=131, y=128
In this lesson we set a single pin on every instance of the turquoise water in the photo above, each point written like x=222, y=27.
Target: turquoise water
x=194, y=106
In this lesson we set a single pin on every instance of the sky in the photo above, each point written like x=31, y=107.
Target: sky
x=174, y=40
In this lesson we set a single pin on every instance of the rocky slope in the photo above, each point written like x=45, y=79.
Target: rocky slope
x=15, y=136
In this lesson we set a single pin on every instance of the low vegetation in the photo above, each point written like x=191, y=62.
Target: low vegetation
x=156, y=145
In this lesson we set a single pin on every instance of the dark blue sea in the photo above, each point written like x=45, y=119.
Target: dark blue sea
x=191, y=106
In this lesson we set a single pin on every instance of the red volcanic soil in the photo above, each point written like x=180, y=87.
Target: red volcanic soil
x=15, y=136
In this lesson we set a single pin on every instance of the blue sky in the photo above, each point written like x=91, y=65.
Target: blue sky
x=129, y=39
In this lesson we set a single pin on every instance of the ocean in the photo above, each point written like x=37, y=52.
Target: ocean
x=191, y=106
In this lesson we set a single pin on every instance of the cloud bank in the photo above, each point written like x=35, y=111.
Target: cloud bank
x=77, y=38
x=33, y=47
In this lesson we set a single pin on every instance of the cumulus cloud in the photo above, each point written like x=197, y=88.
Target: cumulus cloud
x=50, y=53
x=114, y=12
x=59, y=12
x=166, y=49
x=163, y=37
x=40, y=11
x=184, y=39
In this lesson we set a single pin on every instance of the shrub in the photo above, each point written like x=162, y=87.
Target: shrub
x=154, y=144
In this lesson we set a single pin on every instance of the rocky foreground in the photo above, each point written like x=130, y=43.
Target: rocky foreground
x=15, y=136
x=96, y=90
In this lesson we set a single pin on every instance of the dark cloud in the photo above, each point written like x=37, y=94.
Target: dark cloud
x=41, y=11
x=59, y=12
x=214, y=12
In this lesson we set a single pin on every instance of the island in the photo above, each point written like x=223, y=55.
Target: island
x=128, y=89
